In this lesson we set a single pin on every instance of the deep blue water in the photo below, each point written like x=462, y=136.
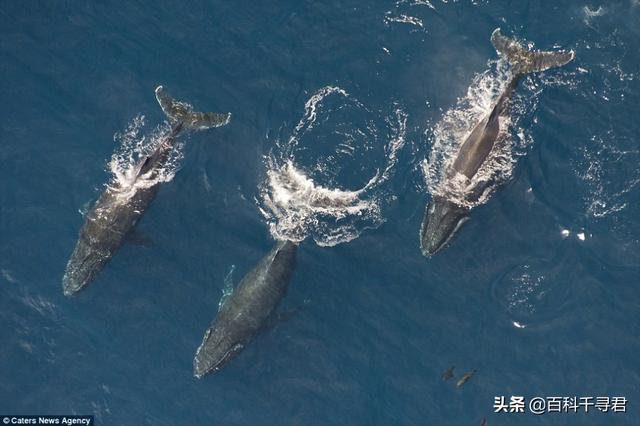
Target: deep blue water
x=538, y=291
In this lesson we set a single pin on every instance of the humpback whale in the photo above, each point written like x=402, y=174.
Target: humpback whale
x=444, y=215
x=244, y=313
x=120, y=206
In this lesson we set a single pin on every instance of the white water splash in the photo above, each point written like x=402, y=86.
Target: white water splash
x=607, y=161
x=423, y=3
x=404, y=19
x=295, y=207
x=525, y=289
x=134, y=147
x=610, y=175
x=336, y=143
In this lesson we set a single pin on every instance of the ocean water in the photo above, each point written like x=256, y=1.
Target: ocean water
x=342, y=112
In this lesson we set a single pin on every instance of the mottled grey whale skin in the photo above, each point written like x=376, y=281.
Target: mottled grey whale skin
x=113, y=216
x=443, y=217
x=244, y=313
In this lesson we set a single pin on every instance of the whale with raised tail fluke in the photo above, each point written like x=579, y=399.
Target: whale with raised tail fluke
x=120, y=206
x=445, y=215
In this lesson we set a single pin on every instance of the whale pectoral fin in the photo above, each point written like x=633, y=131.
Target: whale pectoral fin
x=181, y=112
x=524, y=60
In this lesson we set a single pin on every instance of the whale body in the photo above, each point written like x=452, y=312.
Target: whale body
x=119, y=207
x=445, y=215
x=246, y=310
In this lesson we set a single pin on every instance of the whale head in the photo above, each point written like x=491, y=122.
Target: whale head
x=217, y=349
x=442, y=219
x=84, y=264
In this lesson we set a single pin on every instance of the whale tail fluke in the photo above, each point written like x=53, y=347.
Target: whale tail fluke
x=524, y=60
x=180, y=112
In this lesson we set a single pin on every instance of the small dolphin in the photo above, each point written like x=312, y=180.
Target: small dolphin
x=448, y=373
x=118, y=209
x=464, y=379
x=246, y=310
x=443, y=216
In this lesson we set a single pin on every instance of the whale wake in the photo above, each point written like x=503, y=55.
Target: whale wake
x=304, y=195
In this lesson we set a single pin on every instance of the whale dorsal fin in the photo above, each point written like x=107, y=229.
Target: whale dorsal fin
x=181, y=112
x=524, y=60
